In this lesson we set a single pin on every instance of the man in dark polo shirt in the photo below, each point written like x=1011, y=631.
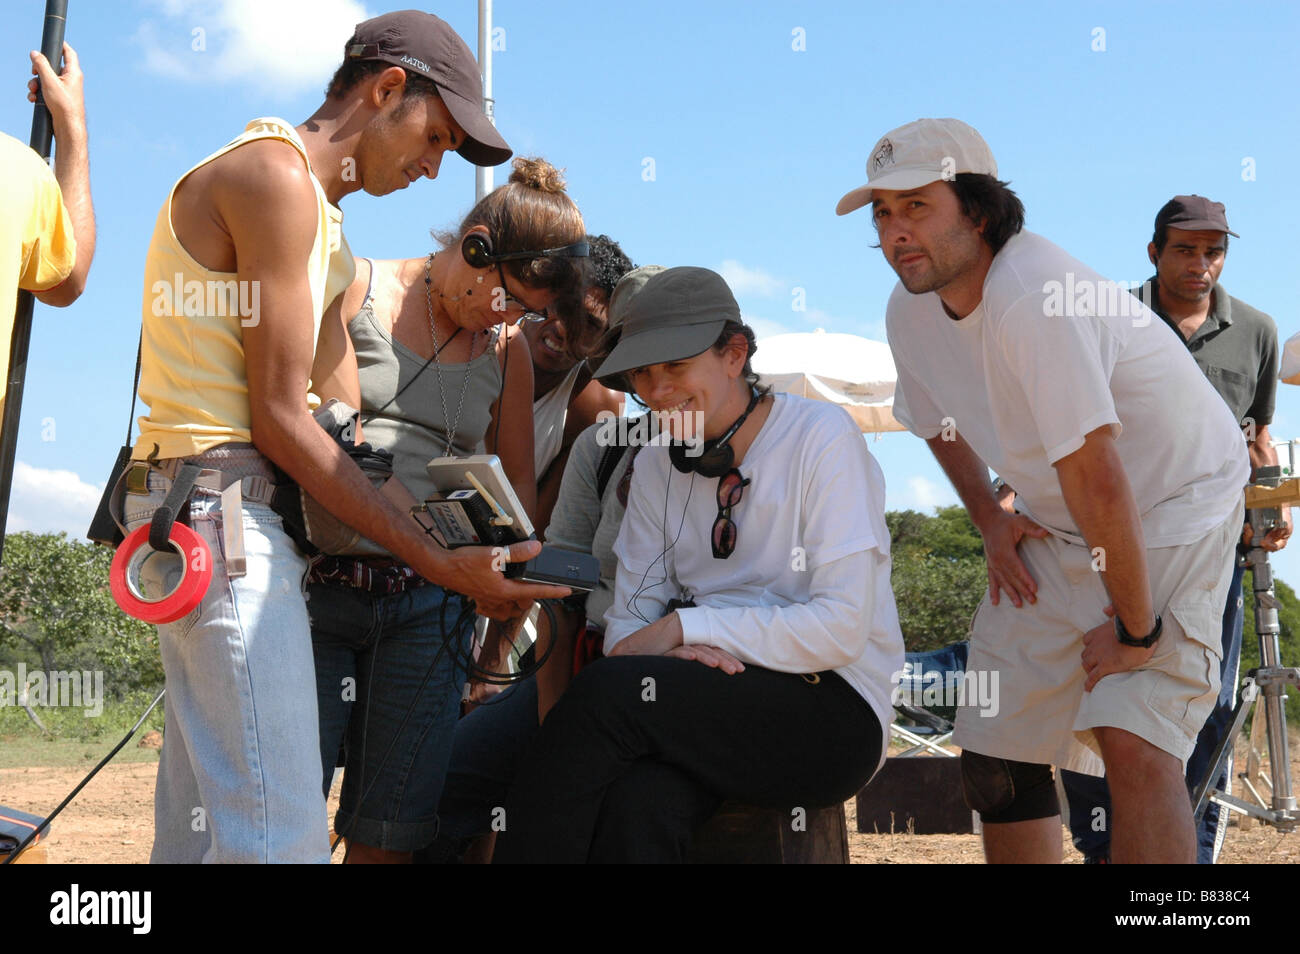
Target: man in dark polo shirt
x=1236, y=347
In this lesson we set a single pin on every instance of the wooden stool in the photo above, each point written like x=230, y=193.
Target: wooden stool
x=744, y=835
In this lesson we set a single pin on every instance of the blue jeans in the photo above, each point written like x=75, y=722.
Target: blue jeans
x=1090, y=828
x=391, y=656
x=489, y=745
x=238, y=774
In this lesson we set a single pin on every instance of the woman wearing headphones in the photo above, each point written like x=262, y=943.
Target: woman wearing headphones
x=753, y=632
x=419, y=346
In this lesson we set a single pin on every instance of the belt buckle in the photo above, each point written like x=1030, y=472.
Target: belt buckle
x=137, y=478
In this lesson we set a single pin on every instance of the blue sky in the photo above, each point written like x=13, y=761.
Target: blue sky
x=757, y=116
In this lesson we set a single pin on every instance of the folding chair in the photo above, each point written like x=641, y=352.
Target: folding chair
x=926, y=696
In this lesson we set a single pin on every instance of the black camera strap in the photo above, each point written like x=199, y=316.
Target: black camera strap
x=104, y=528
x=178, y=496
x=135, y=388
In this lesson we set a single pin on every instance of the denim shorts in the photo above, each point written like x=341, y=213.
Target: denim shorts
x=389, y=676
x=237, y=776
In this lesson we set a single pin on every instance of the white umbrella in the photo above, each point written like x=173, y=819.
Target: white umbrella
x=854, y=372
x=1290, y=373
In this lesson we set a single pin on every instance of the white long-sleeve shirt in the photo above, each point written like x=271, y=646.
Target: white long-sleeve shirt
x=807, y=588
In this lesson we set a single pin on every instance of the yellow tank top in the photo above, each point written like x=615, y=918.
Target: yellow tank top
x=192, y=373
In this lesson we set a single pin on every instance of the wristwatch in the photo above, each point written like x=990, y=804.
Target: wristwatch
x=1126, y=639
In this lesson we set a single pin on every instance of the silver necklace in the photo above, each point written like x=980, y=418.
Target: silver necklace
x=437, y=367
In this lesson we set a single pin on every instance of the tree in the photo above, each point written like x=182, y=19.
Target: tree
x=938, y=577
x=1288, y=618
x=55, y=603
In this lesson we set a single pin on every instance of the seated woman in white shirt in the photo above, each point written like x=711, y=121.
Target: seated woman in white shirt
x=753, y=633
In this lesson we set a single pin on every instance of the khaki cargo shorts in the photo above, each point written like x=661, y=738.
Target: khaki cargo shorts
x=1031, y=655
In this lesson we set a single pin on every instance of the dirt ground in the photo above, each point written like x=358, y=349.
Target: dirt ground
x=111, y=821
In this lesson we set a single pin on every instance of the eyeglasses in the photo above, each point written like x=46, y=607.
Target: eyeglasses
x=527, y=312
x=731, y=487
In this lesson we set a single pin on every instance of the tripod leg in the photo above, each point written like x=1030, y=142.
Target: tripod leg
x=1221, y=826
x=1254, y=765
x=1200, y=798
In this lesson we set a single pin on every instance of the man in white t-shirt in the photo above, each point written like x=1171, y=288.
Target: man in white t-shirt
x=1128, y=470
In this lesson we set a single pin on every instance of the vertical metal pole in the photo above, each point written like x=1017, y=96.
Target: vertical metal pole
x=56, y=14
x=483, y=174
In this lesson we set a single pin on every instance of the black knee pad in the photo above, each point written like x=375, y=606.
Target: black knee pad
x=1005, y=791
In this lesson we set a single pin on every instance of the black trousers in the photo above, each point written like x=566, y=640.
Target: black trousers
x=641, y=750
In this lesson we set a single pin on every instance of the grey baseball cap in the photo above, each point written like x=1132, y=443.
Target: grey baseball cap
x=420, y=42
x=628, y=287
x=676, y=314
x=620, y=301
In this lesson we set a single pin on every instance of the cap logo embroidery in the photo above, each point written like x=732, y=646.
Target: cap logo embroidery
x=418, y=64
x=884, y=156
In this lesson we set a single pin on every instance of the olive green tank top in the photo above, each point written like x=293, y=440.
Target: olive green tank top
x=401, y=408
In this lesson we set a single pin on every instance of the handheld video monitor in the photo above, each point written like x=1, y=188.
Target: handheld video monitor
x=475, y=503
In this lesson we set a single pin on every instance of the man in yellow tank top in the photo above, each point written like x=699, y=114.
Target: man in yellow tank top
x=246, y=254
x=47, y=221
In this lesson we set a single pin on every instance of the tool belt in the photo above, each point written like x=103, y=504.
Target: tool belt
x=236, y=472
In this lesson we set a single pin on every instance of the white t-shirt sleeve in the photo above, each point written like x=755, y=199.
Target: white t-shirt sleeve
x=644, y=584
x=831, y=630
x=1064, y=365
x=844, y=539
x=913, y=407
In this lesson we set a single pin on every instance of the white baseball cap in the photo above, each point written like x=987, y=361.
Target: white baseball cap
x=919, y=153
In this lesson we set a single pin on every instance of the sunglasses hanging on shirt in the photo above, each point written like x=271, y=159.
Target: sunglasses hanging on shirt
x=731, y=487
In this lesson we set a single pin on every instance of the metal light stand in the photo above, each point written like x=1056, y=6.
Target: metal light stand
x=1272, y=489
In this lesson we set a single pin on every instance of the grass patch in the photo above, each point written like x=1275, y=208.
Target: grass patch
x=75, y=738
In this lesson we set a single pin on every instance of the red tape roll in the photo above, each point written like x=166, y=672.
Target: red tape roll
x=130, y=560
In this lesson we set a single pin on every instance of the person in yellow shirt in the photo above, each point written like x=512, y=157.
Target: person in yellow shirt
x=246, y=254
x=47, y=223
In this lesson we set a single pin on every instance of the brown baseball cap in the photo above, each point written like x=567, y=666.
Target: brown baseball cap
x=420, y=42
x=677, y=314
x=1193, y=213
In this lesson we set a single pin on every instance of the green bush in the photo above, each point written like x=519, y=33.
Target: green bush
x=56, y=613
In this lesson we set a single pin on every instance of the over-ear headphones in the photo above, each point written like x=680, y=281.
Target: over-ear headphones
x=476, y=248
x=717, y=457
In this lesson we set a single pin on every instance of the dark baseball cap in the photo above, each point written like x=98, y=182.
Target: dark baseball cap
x=1193, y=213
x=628, y=287
x=420, y=42
x=676, y=314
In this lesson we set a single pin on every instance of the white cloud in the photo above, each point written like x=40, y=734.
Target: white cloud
x=47, y=501
x=924, y=494
x=749, y=281
x=294, y=44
